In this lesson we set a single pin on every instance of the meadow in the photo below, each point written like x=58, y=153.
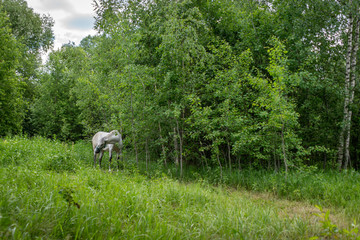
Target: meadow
x=50, y=190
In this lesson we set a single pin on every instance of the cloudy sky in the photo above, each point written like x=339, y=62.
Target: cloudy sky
x=74, y=19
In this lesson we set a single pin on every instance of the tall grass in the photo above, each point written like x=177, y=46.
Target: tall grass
x=40, y=153
x=337, y=190
x=330, y=188
x=50, y=190
x=102, y=206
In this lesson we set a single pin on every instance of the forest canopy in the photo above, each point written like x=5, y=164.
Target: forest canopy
x=262, y=83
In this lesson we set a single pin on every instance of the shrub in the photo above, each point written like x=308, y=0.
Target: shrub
x=59, y=163
x=332, y=231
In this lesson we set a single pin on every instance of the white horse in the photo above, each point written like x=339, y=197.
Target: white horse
x=104, y=141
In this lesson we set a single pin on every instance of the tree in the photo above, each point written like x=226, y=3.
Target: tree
x=196, y=88
x=313, y=32
x=283, y=117
x=11, y=88
x=255, y=83
x=35, y=34
x=350, y=82
x=55, y=111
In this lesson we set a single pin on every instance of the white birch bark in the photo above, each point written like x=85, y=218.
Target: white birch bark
x=351, y=93
x=346, y=92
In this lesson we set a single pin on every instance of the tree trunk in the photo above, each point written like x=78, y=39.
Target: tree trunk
x=162, y=146
x=229, y=154
x=203, y=154
x=176, y=148
x=218, y=159
x=274, y=155
x=346, y=91
x=351, y=93
x=147, y=159
x=133, y=128
x=181, y=148
x=283, y=148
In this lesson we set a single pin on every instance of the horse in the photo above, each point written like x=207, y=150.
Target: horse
x=107, y=141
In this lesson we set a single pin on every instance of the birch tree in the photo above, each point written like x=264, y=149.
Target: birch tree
x=350, y=82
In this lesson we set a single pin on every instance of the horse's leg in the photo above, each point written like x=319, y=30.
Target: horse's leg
x=100, y=158
x=117, y=158
x=95, y=159
x=110, y=157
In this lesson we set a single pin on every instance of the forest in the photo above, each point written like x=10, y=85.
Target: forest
x=231, y=84
x=239, y=121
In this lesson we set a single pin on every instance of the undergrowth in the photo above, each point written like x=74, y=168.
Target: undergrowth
x=50, y=190
x=329, y=188
x=332, y=231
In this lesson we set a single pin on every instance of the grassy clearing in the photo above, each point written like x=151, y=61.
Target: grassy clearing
x=40, y=204
x=50, y=190
x=339, y=191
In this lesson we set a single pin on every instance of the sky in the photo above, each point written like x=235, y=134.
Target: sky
x=74, y=19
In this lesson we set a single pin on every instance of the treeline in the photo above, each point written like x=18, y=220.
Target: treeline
x=267, y=84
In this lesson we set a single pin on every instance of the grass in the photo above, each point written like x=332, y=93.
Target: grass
x=339, y=191
x=50, y=190
x=122, y=206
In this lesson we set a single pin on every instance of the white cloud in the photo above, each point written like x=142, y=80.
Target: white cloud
x=82, y=22
x=51, y=5
x=74, y=20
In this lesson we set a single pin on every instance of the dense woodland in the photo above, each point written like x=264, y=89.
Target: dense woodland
x=267, y=84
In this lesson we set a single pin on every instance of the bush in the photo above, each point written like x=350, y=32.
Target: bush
x=44, y=154
x=59, y=163
x=14, y=151
x=332, y=231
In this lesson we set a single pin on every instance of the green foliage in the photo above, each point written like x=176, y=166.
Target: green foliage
x=217, y=85
x=60, y=163
x=234, y=84
x=90, y=203
x=11, y=88
x=207, y=76
x=54, y=111
x=330, y=188
x=67, y=195
x=42, y=154
x=33, y=30
x=332, y=231
x=25, y=35
x=83, y=202
x=35, y=34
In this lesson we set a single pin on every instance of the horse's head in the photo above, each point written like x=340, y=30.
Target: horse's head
x=100, y=146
